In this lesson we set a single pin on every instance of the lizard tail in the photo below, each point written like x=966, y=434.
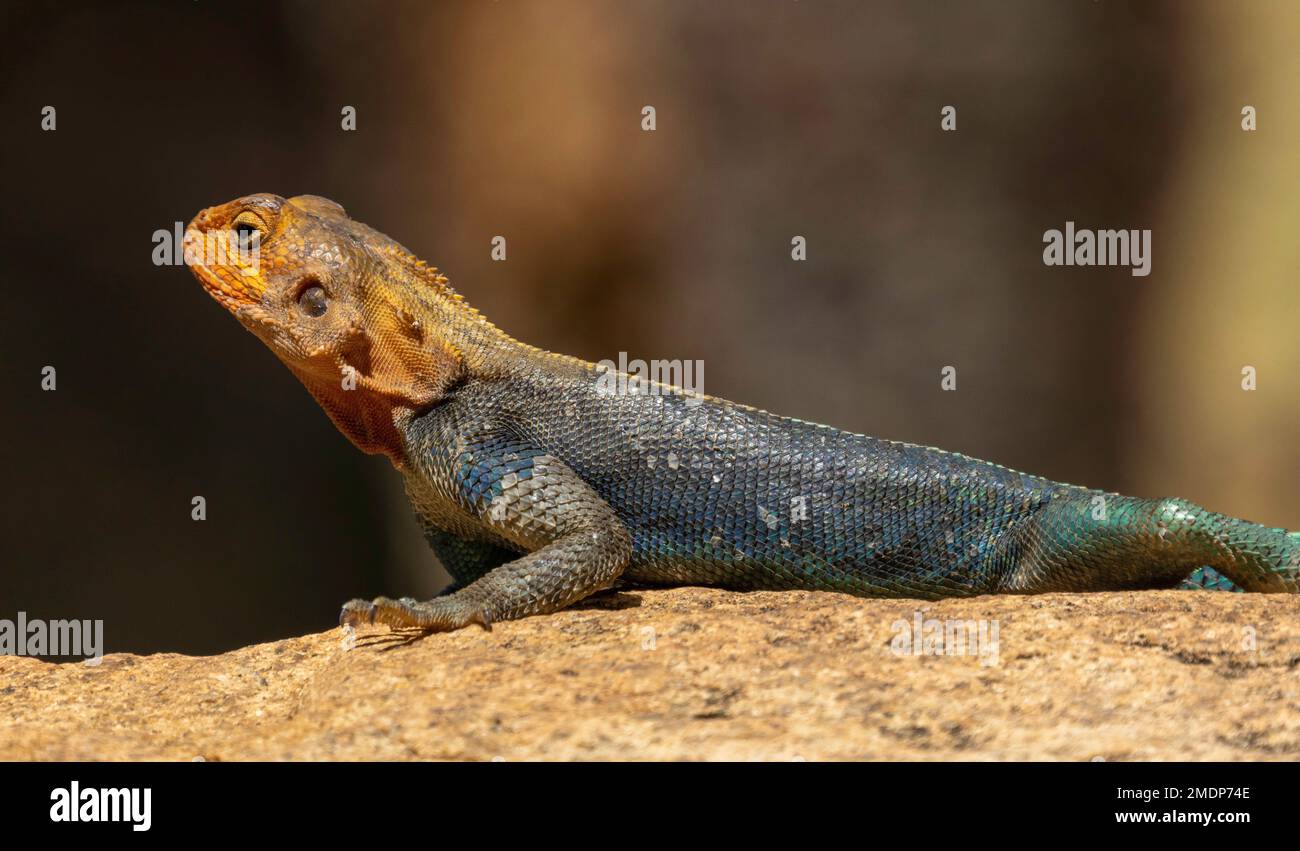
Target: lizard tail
x=1208, y=579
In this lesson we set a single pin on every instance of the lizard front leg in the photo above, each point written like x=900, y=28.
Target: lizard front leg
x=576, y=543
x=464, y=559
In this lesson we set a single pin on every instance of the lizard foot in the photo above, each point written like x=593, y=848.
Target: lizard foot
x=356, y=612
x=439, y=614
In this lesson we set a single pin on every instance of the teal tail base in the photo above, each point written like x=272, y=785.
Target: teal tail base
x=1208, y=579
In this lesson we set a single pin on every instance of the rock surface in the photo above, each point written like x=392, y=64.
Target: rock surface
x=702, y=674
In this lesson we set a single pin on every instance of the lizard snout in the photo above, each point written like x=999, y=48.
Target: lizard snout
x=228, y=266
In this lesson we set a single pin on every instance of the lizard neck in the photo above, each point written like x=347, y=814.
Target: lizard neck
x=418, y=342
x=482, y=350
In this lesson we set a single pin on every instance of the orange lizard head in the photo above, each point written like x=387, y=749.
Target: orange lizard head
x=353, y=314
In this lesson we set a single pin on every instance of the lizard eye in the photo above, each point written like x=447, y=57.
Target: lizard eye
x=249, y=230
x=245, y=233
x=313, y=300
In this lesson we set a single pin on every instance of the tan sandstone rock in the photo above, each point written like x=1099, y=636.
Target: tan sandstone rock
x=695, y=673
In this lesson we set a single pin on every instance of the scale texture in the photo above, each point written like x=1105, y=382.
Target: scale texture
x=540, y=479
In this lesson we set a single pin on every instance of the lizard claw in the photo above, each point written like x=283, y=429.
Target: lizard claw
x=407, y=613
x=357, y=612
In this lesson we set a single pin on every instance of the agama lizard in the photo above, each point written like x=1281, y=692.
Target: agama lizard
x=535, y=487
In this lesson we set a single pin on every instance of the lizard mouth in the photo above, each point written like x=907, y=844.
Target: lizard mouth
x=227, y=275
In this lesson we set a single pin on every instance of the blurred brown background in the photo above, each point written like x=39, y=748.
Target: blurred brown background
x=775, y=118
